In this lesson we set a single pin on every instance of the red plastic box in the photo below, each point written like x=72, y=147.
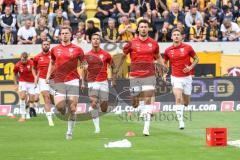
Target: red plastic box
x=216, y=136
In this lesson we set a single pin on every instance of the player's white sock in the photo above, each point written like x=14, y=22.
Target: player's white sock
x=95, y=118
x=28, y=113
x=22, y=108
x=141, y=107
x=179, y=112
x=71, y=123
x=147, y=118
x=49, y=118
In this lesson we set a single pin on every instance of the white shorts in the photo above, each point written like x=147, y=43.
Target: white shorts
x=138, y=85
x=69, y=88
x=99, y=89
x=43, y=86
x=26, y=86
x=184, y=83
x=37, y=89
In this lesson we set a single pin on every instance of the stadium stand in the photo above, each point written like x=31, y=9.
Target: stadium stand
x=211, y=20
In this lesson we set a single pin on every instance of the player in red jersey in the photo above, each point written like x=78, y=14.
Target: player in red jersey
x=97, y=61
x=24, y=80
x=41, y=63
x=179, y=55
x=65, y=58
x=143, y=52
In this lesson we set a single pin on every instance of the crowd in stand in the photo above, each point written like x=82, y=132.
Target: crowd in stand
x=32, y=21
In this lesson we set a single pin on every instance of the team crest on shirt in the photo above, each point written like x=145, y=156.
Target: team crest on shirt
x=182, y=50
x=28, y=67
x=41, y=59
x=101, y=56
x=149, y=44
x=70, y=50
x=172, y=52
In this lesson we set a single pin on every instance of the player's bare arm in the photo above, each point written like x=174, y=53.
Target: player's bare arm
x=120, y=63
x=50, y=70
x=194, y=63
x=15, y=80
x=114, y=75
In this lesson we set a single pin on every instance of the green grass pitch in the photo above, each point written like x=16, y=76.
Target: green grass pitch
x=35, y=140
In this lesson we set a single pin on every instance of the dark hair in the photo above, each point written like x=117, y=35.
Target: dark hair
x=96, y=34
x=90, y=22
x=66, y=27
x=143, y=21
x=176, y=30
x=24, y=55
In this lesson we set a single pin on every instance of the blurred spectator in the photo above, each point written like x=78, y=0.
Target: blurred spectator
x=170, y=2
x=213, y=30
x=106, y=9
x=157, y=7
x=42, y=27
x=183, y=30
x=81, y=29
x=165, y=15
x=214, y=13
x=24, y=16
x=8, y=36
x=175, y=16
x=91, y=29
x=77, y=11
x=55, y=5
x=42, y=15
x=230, y=31
x=8, y=19
x=58, y=19
x=27, y=34
x=38, y=4
x=27, y=3
x=142, y=7
x=110, y=33
x=189, y=3
x=56, y=32
x=227, y=13
x=79, y=39
x=126, y=8
x=165, y=33
x=9, y=3
x=127, y=30
x=197, y=32
x=192, y=16
x=42, y=37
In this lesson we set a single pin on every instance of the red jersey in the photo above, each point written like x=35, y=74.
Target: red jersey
x=24, y=71
x=142, y=54
x=179, y=57
x=41, y=62
x=97, y=65
x=66, y=62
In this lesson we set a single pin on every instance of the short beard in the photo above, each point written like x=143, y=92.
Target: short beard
x=144, y=35
x=45, y=50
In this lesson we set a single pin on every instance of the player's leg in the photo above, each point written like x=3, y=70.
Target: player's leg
x=47, y=106
x=45, y=91
x=146, y=109
x=178, y=92
x=93, y=92
x=22, y=103
x=31, y=101
x=72, y=117
x=94, y=110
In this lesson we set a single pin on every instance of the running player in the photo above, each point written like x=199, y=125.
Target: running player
x=143, y=52
x=98, y=61
x=41, y=63
x=64, y=62
x=24, y=80
x=179, y=55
